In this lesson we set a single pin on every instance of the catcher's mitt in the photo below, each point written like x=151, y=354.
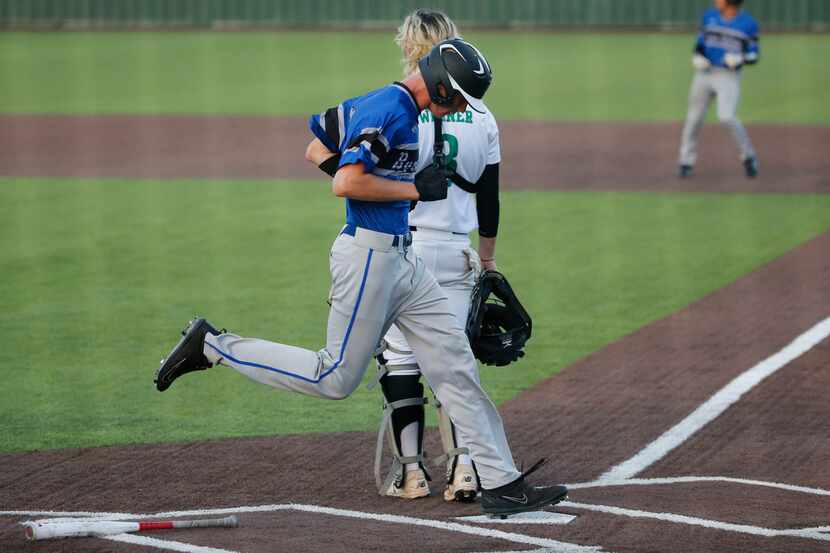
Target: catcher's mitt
x=498, y=327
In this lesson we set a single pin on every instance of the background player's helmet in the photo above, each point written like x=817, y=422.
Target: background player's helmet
x=461, y=69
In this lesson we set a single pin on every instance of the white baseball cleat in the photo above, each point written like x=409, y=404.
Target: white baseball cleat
x=415, y=485
x=464, y=485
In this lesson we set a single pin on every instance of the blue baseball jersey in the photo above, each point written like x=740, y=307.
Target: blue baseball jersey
x=719, y=36
x=380, y=130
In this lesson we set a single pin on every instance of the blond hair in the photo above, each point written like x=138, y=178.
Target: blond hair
x=419, y=32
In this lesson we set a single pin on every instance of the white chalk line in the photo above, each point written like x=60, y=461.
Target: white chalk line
x=533, y=517
x=552, y=545
x=695, y=521
x=164, y=544
x=523, y=551
x=818, y=529
x=695, y=479
x=717, y=404
x=79, y=515
x=619, y=475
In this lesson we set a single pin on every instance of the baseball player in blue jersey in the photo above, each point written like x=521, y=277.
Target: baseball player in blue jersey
x=469, y=141
x=728, y=40
x=377, y=279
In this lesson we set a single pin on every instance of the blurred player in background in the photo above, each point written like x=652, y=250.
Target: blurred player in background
x=440, y=236
x=728, y=40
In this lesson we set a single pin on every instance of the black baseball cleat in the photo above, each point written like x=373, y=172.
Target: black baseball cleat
x=520, y=497
x=751, y=167
x=187, y=356
x=684, y=171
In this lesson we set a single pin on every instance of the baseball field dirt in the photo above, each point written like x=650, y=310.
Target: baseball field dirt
x=564, y=156
x=752, y=478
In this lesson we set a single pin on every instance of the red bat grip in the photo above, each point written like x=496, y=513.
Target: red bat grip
x=166, y=525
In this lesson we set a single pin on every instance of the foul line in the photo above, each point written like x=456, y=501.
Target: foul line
x=716, y=405
x=706, y=523
x=693, y=479
x=165, y=544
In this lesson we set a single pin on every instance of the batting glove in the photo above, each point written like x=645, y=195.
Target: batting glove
x=700, y=62
x=733, y=61
x=432, y=182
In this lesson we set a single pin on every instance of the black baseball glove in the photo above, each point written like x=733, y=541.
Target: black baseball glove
x=497, y=327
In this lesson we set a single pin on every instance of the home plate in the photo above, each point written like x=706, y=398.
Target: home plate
x=533, y=517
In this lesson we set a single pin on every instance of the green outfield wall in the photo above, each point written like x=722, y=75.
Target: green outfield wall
x=813, y=15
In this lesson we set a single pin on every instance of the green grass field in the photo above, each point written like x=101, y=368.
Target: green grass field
x=561, y=76
x=99, y=276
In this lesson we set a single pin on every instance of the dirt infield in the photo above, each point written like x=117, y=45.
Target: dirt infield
x=587, y=419
x=568, y=156
x=752, y=477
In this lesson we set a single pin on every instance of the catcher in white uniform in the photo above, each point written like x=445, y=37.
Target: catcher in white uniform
x=470, y=143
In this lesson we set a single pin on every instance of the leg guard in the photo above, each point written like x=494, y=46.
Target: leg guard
x=462, y=480
x=403, y=405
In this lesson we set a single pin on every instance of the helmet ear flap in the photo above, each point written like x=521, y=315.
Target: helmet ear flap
x=434, y=74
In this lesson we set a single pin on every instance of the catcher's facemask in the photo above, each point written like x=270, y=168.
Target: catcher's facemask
x=498, y=327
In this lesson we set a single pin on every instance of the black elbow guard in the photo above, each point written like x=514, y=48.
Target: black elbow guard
x=487, y=202
x=331, y=165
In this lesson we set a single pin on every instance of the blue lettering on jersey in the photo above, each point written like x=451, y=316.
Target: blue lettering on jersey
x=379, y=130
x=719, y=36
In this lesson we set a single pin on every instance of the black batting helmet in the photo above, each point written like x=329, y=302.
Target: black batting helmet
x=461, y=69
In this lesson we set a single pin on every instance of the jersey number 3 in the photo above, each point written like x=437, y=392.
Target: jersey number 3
x=452, y=142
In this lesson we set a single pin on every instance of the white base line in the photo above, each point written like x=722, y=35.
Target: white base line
x=706, y=523
x=694, y=479
x=165, y=544
x=717, y=404
x=533, y=517
x=77, y=515
x=552, y=545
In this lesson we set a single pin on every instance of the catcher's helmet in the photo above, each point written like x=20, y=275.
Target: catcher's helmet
x=461, y=69
x=499, y=327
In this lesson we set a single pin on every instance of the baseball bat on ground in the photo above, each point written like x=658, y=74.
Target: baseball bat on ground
x=36, y=530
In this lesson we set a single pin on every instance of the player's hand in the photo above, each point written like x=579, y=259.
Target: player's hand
x=700, y=62
x=432, y=182
x=733, y=61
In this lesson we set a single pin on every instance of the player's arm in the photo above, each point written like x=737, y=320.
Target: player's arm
x=700, y=42
x=700, y=45
x=316, y=152
x=752, y=49
x=352, y=181
x=699, y=59
x=488, y=208
x=324, y=150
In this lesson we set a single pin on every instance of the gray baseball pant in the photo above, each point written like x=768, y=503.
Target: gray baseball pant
x=376, y=283
x=726, y=86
